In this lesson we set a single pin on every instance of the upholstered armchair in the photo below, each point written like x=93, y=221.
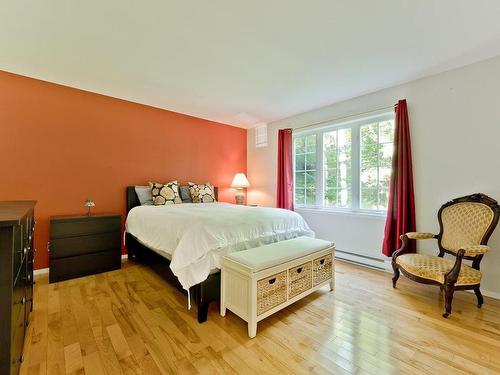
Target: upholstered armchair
x=466, y=224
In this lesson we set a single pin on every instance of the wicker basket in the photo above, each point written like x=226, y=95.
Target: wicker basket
x=271, y=292
x=299, y=279
x=322, y=269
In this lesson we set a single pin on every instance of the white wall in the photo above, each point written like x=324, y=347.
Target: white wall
x=455, y=129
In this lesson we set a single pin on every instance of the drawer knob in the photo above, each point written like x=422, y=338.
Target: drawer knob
x=272, y=281
x=299, y=270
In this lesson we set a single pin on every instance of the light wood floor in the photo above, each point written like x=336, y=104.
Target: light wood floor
x=131, y=321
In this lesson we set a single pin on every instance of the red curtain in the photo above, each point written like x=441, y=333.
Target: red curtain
x=401, y=205
x=284, y=192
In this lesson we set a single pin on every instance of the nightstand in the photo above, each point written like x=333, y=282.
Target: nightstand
x=84, y=245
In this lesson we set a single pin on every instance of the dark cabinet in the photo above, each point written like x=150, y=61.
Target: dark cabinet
x=17, y=227
x=84, y=245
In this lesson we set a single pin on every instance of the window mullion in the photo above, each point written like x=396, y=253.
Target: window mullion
x=320, y=174
x=356, y=170
x=378, y=165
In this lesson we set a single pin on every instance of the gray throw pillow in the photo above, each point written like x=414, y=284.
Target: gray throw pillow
x=144, y=194
x=185, y=194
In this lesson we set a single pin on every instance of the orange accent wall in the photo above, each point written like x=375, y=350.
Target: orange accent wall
x=60, y=145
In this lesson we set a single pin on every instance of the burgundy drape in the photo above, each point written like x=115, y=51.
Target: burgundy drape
x=401, y=205
x=284, y=192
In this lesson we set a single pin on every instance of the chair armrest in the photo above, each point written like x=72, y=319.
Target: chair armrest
x=452, y=276
x=475, y=250
x=420, y=235
x=403, y=249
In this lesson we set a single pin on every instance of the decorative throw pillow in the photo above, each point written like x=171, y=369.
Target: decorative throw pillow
x=185, y=194
x=144, y=195
x=202, y=193
x=165, y=193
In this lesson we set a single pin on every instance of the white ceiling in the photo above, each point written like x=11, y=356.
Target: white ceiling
x=242, y=62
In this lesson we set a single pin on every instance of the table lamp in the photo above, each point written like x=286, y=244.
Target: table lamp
x=240, y=182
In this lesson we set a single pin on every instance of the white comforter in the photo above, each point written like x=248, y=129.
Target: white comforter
x=197, y=235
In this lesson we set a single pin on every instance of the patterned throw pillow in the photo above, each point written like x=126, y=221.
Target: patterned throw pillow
x=165, y=193
x=202, y=193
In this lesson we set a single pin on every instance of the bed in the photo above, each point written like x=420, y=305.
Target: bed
x=185, y=242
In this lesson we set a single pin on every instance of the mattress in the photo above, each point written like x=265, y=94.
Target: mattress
x=194, y=236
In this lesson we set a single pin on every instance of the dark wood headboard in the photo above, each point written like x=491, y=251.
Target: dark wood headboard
x=133, y=200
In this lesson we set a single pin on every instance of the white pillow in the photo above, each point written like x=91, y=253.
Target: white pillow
x=144, y=194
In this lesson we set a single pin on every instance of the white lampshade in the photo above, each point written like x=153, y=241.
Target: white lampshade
x=240, y=181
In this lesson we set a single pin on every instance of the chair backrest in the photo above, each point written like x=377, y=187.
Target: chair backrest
x=467, y=221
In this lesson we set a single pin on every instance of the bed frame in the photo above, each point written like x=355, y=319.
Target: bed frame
x=202, y=293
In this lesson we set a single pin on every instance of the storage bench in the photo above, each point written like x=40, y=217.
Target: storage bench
x=258, y=282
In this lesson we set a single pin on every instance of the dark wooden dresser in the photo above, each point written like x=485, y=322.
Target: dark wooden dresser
x=84, y=245
x=17, y=226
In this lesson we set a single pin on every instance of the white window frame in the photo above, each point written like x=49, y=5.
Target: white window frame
x=355, y=126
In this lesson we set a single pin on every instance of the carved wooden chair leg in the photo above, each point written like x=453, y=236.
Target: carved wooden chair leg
x=479, y=296
x=396, y=275
x=449, y=289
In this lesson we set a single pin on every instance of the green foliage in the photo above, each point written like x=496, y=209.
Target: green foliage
x=376, y=159
x=305, y=169
x=375, y=166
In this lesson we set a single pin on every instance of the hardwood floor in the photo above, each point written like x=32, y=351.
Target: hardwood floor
x=131, y=321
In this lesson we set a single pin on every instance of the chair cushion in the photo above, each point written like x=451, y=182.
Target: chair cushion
x=435, y=268
x=267, y=256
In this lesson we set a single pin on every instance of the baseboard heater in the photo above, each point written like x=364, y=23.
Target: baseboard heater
x=363, y=260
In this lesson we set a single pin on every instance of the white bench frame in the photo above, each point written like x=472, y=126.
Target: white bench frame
x=239, y=287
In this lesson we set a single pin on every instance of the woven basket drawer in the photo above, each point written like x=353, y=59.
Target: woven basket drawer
x=322, y=269
x=271, y=292
x=300, y=279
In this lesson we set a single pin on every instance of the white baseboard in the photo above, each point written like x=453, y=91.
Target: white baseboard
x=385, y=266
x=487, y=293
x=360, y=259
x=377, y=267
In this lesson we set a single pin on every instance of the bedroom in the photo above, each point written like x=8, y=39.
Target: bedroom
x=99, y=99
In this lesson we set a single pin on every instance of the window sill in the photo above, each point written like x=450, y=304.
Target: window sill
x=331, y=211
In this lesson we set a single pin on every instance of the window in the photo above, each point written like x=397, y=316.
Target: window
x=376, y=163
x=345, y=166
x=305, y=170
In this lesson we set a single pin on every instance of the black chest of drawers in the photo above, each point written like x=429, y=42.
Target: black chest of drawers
x=17, y=226
x=84, y=245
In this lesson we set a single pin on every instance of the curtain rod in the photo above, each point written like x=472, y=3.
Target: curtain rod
x=343, y=117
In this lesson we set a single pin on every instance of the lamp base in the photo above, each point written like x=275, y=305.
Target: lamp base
x=240, y=197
